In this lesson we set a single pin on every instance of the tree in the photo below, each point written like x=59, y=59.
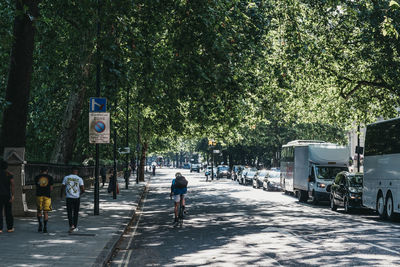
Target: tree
x=20, y=73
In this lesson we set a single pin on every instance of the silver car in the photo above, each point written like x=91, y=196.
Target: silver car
x=272, y=181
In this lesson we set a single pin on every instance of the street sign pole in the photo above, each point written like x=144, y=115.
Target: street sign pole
x=96, y=175
x=137, y=150
x=127, y=141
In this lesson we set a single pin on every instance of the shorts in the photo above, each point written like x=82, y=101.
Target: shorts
x=177, y=198
x=43, y=203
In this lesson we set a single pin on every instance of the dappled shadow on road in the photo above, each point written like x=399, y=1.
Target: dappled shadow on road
x=224, y=230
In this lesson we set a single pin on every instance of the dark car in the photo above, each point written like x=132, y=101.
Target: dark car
x=195, y=167
x=186, y=166
x=248, y=179
x=242, y=174
x=223, y=171
x=272, y=181
x=259, y=178
x=346, y=191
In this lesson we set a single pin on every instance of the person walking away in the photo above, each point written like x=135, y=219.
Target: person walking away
x=178, y=189
x=44, y=186
x=73, y=186
x=6, y=197
x=133, y=166
x=103, y=173
x=154, y=169
x=111, y=183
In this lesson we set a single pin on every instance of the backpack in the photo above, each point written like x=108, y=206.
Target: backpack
x=181, y=182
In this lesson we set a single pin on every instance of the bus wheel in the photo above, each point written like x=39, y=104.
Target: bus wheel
x=380, y=206
x=389, y=206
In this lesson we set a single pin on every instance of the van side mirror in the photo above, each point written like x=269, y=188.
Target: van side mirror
x=310, y=179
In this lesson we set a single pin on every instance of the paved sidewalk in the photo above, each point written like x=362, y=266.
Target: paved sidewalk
x=90, y=246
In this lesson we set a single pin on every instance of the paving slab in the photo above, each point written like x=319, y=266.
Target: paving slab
x=90, y=246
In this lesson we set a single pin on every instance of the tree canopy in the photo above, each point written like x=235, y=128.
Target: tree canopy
x=250, y=74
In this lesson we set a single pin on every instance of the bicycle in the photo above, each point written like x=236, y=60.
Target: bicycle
x=180, y=212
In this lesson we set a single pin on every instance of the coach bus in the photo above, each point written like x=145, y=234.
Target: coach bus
x=381, y=186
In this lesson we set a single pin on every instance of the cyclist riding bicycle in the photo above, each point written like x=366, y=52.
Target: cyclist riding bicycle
x=178, y=190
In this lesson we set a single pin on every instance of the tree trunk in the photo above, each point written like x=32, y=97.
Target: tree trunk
x=63, y=149
x=20, y=73
x=143, y=161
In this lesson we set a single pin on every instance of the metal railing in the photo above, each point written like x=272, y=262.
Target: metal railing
x=56, y=170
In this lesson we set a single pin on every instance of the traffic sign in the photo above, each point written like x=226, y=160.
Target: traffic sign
x=99, y=127
x=97, y=104
x=124, y=150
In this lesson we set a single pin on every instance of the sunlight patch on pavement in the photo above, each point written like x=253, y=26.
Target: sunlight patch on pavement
x=46, y=257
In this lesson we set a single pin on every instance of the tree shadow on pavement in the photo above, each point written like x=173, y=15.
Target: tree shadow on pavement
x=225, y=230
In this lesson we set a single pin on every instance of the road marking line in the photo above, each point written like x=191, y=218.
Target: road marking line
x=383, y=248
x=126, y=259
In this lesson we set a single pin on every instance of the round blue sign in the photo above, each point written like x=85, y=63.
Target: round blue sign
x=99, y=127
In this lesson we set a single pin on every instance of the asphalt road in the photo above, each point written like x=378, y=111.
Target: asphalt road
x=234, y=225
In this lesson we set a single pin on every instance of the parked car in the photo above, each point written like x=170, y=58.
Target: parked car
x=195, y=167
x=272, y=181
x=346, y=191
x=223, y=171
x=242, y=175
x=248, y=179
x=259, y=178
x=186, y=166
x=236, y=169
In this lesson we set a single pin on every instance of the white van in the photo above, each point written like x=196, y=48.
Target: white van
x=308, y=168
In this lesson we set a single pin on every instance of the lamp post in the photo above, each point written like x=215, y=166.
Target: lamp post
x=127, y=172
x=358, y=148
x=212, y=144
x=138, y=150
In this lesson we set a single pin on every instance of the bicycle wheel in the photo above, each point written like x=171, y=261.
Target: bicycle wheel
x=180, y=214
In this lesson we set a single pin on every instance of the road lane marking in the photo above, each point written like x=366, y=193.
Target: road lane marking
x=132, y=235
x=383, y=248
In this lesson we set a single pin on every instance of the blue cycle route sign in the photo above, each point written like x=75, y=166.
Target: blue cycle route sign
x=97, y=104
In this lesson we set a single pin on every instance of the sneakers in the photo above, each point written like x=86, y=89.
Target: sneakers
x=10, y=230
x=73, y=230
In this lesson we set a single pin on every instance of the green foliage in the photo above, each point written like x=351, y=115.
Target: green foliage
x=250, y=74
x=6, y=22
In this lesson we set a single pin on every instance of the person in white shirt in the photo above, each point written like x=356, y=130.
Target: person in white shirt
x=73, y=186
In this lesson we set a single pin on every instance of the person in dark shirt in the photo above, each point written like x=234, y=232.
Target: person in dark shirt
x=6, y=197
x=103, y=173
x=44, y=186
